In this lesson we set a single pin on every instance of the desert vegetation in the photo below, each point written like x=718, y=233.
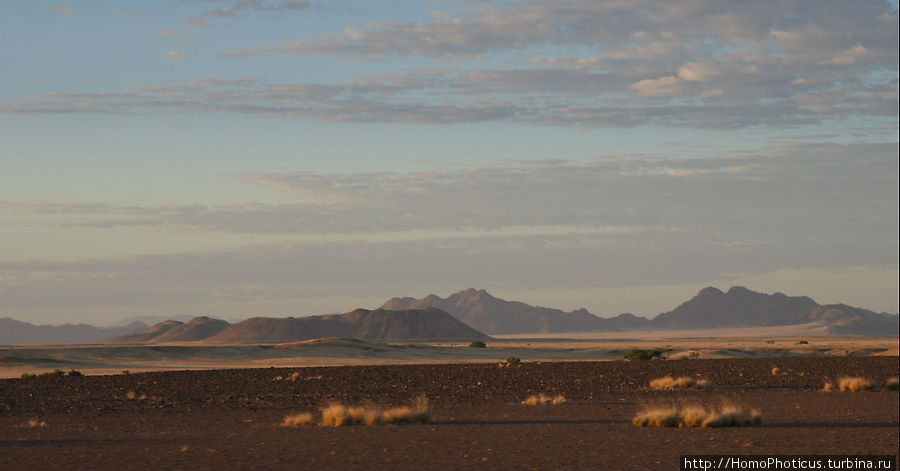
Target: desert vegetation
x=543, y=400
x=52, y=374
x=336, y=415
x=695, y=416
x=303, y=418
x=892, y=384
x=478, y=344
x=641, y=355
x=667, y=383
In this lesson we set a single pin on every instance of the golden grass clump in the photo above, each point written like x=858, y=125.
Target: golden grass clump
x=337, y=415
x=695, y=416
x=776, y=371
x=829, y=387
x=542, y=400
x=854, y=384
x=33, y=423
x=892, y=384
x=303, y=418
x=667, y=383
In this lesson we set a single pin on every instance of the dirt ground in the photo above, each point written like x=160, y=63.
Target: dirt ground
x=230, y=419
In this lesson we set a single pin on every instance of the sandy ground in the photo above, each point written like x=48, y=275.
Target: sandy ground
x=739, y=343
x=229, y=419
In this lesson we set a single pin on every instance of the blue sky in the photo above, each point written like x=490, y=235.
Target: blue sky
x=266, y=157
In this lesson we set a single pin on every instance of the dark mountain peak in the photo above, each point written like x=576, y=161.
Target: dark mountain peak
x=740, y=290
x=708, y=292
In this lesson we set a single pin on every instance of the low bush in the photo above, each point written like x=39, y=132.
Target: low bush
x=337, y=415
x=638, y=354
x=542, y=400
x=854, y=384
x=683, y=382
x=892, y=384
x=695, y=416
x=478, y=344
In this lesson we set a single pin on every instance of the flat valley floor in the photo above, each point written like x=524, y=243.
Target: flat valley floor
x=231, y=419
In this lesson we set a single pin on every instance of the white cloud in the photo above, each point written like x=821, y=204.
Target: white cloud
x=173, y=55
x=662, y=86
x=66, y=10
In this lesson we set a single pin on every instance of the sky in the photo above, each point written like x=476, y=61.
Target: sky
x=240, y=158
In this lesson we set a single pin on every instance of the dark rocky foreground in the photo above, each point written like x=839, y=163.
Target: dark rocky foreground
x=229, y=419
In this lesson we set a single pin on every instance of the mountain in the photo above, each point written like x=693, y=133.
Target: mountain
x=842, y=319
x=486, y=313
x=198, y=328
x=711, y=308
x=739, y=307
x=422, y=323
x=13, y=332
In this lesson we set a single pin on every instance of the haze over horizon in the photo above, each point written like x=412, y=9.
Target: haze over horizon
x=239, y=158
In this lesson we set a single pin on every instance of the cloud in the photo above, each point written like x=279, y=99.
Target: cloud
x=708, y=65
x=195, y=22
x=173, y=55
x=66, y=10
x=749, y=190
x=659, y=87
x=242, y=6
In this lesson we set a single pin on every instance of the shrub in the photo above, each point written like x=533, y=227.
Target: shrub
x=892, y=384
x=695, y=416
x=303, y=418
x=803, y=342
x=74, y=373
x=337, y=414
x=684, y=382
x=512, y=361
x=854, y=384
x=478, y=344
x=638, y=354
x=542, y=400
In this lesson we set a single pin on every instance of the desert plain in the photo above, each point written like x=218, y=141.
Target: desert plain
x=223, y=409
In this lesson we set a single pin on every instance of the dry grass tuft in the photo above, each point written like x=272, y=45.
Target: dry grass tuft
x=776, y=371
x=542, y=400
x=829, y=387
x=667, y=383
x=695, y=416
x=337, y=414
x=854, y=384
x=35, y=423
x=892, y=384
x=303, y=418
x=294, y=376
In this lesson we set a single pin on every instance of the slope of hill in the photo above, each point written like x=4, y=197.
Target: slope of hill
x=361, y=323
x=198, y=328
x=842, y=319
x=13, y=332
x=709, y=309
x=492, y=315
x=739, y=307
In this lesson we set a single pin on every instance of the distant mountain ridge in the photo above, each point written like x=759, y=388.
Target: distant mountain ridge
x=423, y=323
x=13, y=332
x=198, y=328
x=489, y=314
x=473, y=313
x=710, y=308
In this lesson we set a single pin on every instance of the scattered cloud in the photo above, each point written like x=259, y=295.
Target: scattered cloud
x=195, y=22
x=173, y=55
x=66, y=10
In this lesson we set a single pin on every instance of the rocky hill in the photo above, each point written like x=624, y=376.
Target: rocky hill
x=424, y=323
